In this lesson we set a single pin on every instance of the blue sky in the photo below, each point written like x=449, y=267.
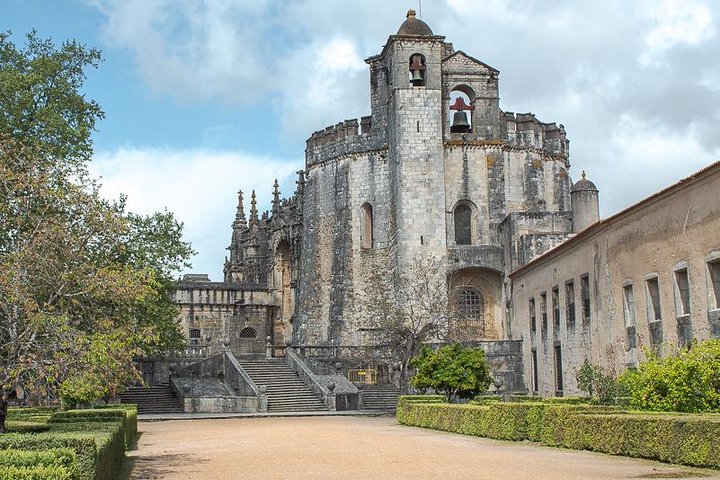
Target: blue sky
x=207, y=97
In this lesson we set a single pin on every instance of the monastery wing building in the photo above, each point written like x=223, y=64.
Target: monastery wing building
x=439, y=171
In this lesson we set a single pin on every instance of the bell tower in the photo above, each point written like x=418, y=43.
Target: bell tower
x=413, y=59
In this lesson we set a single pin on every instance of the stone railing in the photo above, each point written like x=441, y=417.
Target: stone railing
x=336, y=392
x=237, y=378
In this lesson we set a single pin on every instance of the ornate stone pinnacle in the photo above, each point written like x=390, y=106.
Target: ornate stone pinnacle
x=253, y=208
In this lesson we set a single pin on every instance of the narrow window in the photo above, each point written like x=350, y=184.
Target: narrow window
x=585, y=297
x=463, y=227
x=543, y=312
x=533, y=324
x=556, y=309
x=653, y=297
x=570, y=305
x=367, y=226
x=682, y=292
x=714, y=284
x=534, y=371
x=654, y=315
x=558, y=371
x=629, y=314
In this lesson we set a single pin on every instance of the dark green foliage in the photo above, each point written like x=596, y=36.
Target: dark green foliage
x=686, y=439
x=688, y=382
x=459, y=372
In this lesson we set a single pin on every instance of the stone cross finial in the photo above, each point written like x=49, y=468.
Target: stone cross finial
x=583, y=174
x=410, y=13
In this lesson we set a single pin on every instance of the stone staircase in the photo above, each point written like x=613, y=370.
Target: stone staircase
x=285, y=391
x=154, y=399
x=380, y=397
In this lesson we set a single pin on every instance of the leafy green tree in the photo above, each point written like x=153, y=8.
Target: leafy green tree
x=457, y=371
x=41, y=103
x=687, y=382
x=85, y=284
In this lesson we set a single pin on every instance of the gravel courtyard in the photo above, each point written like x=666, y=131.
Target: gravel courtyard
x=360, y=447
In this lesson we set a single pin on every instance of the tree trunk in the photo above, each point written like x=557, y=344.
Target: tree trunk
x=3, y=414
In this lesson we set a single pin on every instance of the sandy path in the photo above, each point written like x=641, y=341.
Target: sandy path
x=357, y=447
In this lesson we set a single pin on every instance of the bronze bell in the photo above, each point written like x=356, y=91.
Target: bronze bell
x=460, y=123
x=417, y=78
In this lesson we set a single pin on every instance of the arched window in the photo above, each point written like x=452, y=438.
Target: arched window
x=471, y=307
x=417, y=69
x=463, y=224
x=367, y=226
x=248, y=332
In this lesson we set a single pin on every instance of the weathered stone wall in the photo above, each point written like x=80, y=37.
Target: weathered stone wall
x=671, y=231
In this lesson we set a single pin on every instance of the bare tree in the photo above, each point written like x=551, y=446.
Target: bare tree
x=406, y=309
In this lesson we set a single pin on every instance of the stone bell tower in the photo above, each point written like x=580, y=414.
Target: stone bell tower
x=412, y=59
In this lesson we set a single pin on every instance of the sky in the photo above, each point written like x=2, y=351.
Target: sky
x=207, y=97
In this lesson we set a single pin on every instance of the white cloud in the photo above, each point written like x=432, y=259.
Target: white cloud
x=679, y=22
x=198, y=186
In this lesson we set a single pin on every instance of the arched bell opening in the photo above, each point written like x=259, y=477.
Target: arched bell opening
x=465, y=230
x=417, y=69
x=460, y=107
x=475, y=296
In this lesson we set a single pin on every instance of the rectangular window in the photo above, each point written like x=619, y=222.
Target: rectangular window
x=714, y=284
x=629, y=305
x=558, y=371
x=533, y=325
x=534, y=371
x=543, y=312
x=585, y=297
x=682, y=293
x=654, y=314
x=653, y=299
x=556, y=308
x=570, y=305
x=629, y=314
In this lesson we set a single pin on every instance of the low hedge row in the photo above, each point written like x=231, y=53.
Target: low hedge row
x=98, y=438
x=126, y=415
x=28, y=458
x=18, y=426
x=687, y=439
x=39, y=472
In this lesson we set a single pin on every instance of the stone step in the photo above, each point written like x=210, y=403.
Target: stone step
x=285, y=391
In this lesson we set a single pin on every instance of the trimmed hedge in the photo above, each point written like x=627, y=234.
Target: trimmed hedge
x=99, y=447
x=17, y=426
x=25, y=458
x=128, y=417
x=687, y=439
x=40, y=472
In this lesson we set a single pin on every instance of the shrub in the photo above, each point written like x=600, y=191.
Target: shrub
x=459, y=372
x=601, y=385
x=128, y=417
x=26, y=427
x=688, y=382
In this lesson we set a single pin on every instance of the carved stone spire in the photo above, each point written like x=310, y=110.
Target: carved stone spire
x=276, y=197
x=300, y=182
x=253, y=209
x=240, y=215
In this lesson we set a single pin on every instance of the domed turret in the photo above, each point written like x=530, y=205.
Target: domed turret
x=585, y=204
x=414, y=26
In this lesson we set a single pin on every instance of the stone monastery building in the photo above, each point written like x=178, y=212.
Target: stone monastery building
x=438, y=170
